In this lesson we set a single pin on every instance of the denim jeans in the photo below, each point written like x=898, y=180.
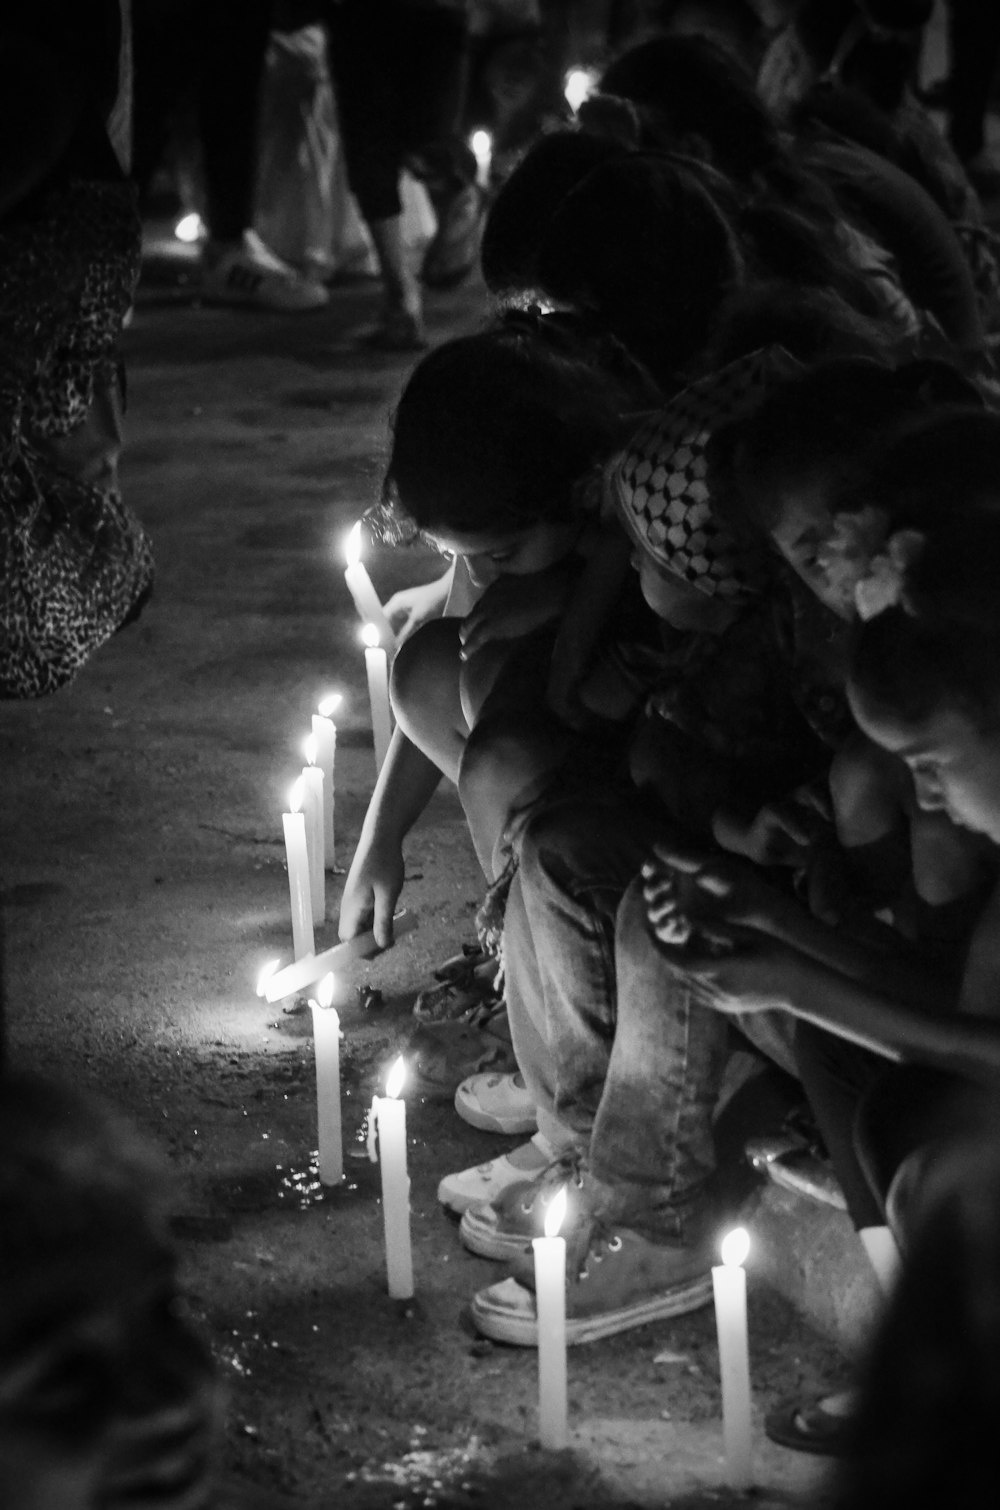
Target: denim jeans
x=621, y=1050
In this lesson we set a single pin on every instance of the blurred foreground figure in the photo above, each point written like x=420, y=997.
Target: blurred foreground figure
x=107, y=1397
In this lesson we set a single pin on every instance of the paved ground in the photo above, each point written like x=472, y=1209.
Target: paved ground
x=144, y=884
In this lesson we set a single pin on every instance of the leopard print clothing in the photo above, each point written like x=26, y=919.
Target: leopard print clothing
x=74, y=561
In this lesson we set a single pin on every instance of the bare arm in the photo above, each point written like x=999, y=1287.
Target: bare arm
x=406, y=783
x=723, y=889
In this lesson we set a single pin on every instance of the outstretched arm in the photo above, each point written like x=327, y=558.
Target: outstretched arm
x=406, y=783
x=751, y=971
x=717, y=889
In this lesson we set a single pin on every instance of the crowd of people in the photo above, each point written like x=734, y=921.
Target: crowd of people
x=713, y=668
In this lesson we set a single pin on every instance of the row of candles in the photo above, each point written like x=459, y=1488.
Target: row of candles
x=309, y=825
x=309, y=843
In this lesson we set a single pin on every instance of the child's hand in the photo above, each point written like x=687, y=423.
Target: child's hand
x=407, y=609
x=783, y=833
x=710, y=889
x=371, y=892
x=514, y=606
x=742, y=970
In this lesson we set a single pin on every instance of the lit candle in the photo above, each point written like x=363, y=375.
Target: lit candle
x=578, y=85
x=377, y=667
x=312, y=808
x=366, y=599
x=326, y=1042
x=267, y=974
x=298, y=875
x=275, y=985
x=729, y=1282
x=550, y=1307
x=325, y=734
x=482, y=150
x=388, y=1117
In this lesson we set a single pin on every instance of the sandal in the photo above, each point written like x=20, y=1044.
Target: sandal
x=461, y=992
x=441, y=1055
x=809, y=1428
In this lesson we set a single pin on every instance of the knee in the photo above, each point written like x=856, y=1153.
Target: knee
x=424, y=687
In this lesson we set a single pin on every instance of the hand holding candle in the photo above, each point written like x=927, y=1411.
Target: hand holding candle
x=729, y=1282
x=303, y=942
x=550, y=1305
x=326, y=1038
x=325, y=734
x=377, y=667
x=388, y=1117
x=366, y=599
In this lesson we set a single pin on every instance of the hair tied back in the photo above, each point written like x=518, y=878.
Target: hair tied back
x=885, y=585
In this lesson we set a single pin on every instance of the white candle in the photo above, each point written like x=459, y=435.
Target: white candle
x=482, y=149
x=366, y=599
x=550, y=1307
x=325, y=734
x=729, y=1282
x=294, y=825
x=389, y=1117
x=312, y=808
x=377, y=667
x=326, y=1042
x=274, y=985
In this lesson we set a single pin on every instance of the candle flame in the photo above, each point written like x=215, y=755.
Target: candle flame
x=578, y=85
x=555, y=1213
x=735, y=1247
x=325, y=990
x=265, y=975
x=371, y=636
x=330, y=704
x=295, y=798
x=396, y=1076
x=352, y=545
x=309, y=748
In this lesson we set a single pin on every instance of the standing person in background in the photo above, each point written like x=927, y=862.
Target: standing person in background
x=75, y=563
x=399, y=72
x=214, y=53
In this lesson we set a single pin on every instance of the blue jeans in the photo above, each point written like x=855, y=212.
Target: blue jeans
x=620, y=1049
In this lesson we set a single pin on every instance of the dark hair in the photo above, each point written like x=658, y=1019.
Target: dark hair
x=644, y=246
x=493, y=431
x=526, y=201
x=825, y=423
x=941, y=646
x=813, y=324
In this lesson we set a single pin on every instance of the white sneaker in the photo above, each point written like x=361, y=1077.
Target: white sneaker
x=250, y=274
x=496, y=1103
x=483, y=1182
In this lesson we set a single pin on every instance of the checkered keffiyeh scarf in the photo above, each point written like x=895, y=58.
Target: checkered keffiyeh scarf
x=659, y=483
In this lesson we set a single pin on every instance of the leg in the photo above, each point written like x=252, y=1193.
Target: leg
x=363, y=48
x=231, y=49
x=575, y=864
x=652, y=1145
